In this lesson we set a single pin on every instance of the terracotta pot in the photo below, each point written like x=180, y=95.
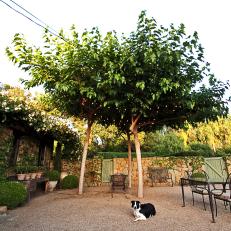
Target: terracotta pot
x=27, y=177
x=33, y=175
x=21, y=176
x=39, y=175
x=52, y=185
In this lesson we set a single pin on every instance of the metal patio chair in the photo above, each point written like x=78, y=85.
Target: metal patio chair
x=198, y=187
x=223, y=193
x=118, y=181
x=160, y=175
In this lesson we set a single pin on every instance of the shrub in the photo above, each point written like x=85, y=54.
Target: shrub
x=53, y=175
x=202, y=149
x=69, y=182
x=21, y=169
x=198, y=175
x=12, y=194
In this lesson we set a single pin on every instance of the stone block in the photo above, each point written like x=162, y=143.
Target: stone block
x=3, y=210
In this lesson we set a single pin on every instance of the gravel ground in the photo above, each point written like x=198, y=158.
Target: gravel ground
x=97, y=210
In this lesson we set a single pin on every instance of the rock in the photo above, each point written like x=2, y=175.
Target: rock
x=3, y=210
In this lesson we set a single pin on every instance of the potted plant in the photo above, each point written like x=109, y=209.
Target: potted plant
x=27, y=172
x=53, y=176
x=33, y=171
x=21, y=172
x=40, y=171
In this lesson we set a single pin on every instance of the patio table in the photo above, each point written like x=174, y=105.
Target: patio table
x=203, y=182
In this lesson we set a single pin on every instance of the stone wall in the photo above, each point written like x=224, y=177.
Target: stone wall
x=28, y=147
x=94, y=168
x=120, y=166
x=28, y=150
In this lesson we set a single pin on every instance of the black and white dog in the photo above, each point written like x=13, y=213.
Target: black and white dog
x=143, y=211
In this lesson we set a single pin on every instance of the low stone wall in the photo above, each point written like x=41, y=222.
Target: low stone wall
x=120, y=166
x=93, y=174
x=93, y=171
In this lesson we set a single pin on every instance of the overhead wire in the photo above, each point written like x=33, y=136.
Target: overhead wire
x=38, y=24
x=33, y=16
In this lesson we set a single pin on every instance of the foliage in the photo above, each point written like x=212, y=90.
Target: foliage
x=216, y=134
x=28, y=159
x=168, y=163
x=198, y=175
x=53, y=175
x=193, y=163
x=158, y=70
x=21, y=169
x=106, y=138
x=6, y=143
x=12, y=194
x=69, y=182
x=110, y=155
x=160, y=142
x=151, y=74
x=18, y=106
x=202, y=149
x=223, y=152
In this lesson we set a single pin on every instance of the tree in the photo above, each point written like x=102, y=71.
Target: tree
x=145, y=80
x=70, y=70
x=159, y=69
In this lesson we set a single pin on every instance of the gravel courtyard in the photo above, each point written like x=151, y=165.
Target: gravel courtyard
x=97, y=210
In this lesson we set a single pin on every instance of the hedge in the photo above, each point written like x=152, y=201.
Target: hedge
x=110, y=155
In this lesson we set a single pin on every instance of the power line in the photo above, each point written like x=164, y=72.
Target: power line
x=38, y=24
x=33, y=16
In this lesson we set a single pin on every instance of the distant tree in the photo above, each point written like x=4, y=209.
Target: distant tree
x=166, y=143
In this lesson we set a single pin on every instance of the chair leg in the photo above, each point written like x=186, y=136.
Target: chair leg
x=215, y=202
x=193, y=198
x=225, y=204
x=203, y=201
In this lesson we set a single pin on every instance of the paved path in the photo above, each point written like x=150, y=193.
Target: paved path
x=98, y=211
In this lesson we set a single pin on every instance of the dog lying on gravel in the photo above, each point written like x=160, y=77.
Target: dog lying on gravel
x=142, y=211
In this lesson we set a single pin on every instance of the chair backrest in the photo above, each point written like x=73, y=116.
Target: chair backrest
x=216, y=168
x=158, y=173
x=118, y=179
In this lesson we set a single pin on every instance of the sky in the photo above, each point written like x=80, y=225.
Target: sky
x=210, y=18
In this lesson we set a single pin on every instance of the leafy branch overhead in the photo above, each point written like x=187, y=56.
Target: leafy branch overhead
x=152, y=72
x=17, y=107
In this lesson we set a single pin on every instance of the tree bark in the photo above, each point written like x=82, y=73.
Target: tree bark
x=84, y=157
x=58, y=152
x=134, y=130
x=129, y=161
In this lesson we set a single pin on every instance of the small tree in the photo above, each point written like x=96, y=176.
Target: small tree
x=71, y=71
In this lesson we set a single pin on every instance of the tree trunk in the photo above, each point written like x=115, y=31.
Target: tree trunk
x=129, y=161
x=134, y=130
x=84, y=157
x=58, y=152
